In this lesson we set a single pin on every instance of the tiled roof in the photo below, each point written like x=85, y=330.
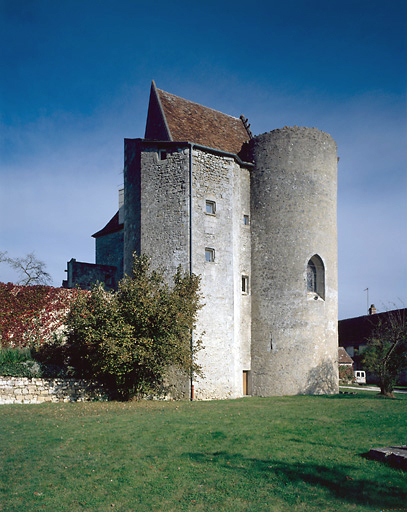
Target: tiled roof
x=343, y=356
x=111, y=227
x=189, y=121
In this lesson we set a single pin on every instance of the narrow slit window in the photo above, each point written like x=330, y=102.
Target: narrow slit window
x=209, y=254
x=245, y=220
x=210, y=207
x=162, y=154
x=245, y=284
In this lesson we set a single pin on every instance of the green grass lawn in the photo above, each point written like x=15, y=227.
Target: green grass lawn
x=300, y=453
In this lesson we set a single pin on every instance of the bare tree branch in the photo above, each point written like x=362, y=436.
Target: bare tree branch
x=30, y=269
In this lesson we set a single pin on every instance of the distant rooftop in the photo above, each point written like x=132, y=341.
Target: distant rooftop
x=357, y=330
x=343, y=356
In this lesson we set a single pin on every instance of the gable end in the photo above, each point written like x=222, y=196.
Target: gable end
x=156, y=126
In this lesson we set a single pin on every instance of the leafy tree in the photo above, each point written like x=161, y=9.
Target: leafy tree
x=386, y=352
x=129, y=339
x=30, y=269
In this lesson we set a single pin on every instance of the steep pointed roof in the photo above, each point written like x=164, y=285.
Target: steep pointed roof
x=111, y=227
x=175, y=119
x=343, y=356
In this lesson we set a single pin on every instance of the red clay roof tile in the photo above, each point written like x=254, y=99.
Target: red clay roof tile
x=189, y=121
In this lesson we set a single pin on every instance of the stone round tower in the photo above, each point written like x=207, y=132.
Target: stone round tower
x=294, y=263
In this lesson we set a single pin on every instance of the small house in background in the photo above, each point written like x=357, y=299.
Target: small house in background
x=345, y=363
x=354, y=333
x=344, y=359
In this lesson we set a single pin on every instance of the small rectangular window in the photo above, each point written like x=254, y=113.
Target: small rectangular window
x=209, y=254
x=246, y=220
x=245, y=284
x=210, y=207
x=162, y=154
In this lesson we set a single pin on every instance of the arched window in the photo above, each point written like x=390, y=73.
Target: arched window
x=316, y=277
x=311, y=277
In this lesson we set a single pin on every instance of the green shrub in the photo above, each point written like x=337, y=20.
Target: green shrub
x=129, y=339
x=346, y=375
x=14, y=355
x=23, y=362
x=29, y=369
x=52, y=357
x=17, y=362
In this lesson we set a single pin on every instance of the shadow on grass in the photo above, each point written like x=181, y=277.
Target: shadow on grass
x=391, y=460
x=357, y=395
x=322, y=444
x=335, y=480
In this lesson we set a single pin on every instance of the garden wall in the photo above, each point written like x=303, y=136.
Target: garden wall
x=22, y=390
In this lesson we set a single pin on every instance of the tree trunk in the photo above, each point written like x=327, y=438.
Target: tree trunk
x=386, y=385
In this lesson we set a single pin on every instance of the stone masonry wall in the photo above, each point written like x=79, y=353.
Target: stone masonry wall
x=164, y=212
x=242, y=251
x=293, y=207
x=157, y=224
x=131, y=235
x=157, y=215
x=224, y=318
x=156, y=208
x=86, y=275
x=22, y=390
x=109, y=251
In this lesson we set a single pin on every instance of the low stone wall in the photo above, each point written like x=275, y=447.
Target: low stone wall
x=22, y=390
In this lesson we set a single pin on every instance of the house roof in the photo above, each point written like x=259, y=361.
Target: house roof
x=356, y=331
x=344, y=357
x=176, y=119
x=111, y=227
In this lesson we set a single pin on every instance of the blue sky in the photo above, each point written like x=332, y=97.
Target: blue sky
x=75, y=80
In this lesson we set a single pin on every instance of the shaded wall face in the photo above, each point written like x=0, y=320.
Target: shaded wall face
x=86, y=275
x=132, y=205
x=156, y=218
x=156, y=206
x=164, y=211
x=109, y=251
x=293, y=217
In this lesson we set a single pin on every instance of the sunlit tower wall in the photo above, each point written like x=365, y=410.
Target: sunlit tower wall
x=294, y=263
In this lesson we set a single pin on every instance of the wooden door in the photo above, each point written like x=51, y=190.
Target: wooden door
x=245, y=386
